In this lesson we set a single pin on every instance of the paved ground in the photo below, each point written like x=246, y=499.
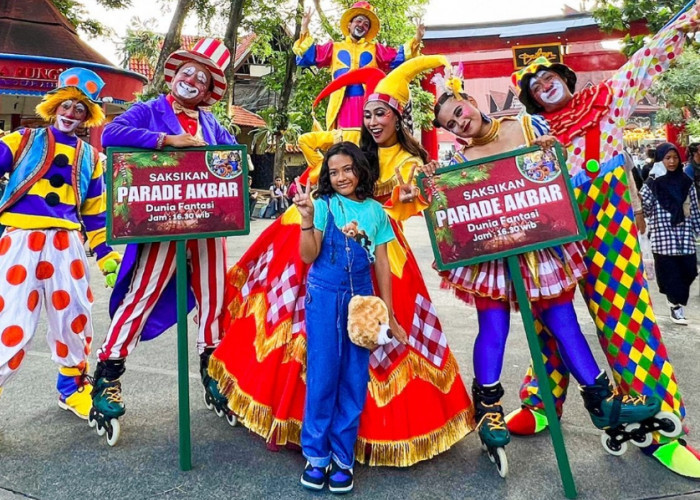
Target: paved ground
x=49, y=454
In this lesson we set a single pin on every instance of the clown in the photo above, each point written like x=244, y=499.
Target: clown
x=360, y=25
x=141, y=305
x=590, y=124
x=55, y=186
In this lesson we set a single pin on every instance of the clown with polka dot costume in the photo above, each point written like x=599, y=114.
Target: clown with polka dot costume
x=55, y=186
x=590, y=124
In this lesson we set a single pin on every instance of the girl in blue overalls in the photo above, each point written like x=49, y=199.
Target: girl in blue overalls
x=338, y=370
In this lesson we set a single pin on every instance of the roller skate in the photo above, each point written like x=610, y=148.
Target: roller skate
x=626, y=418
x=107, y=401
x=213, y=399
x=74, y=390
x=493, y=432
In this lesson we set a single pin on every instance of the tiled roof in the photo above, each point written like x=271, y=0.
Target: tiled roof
x=244, y=118
x=140, y=64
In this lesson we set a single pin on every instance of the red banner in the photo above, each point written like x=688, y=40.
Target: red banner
x=177, y=194
x=500, y=206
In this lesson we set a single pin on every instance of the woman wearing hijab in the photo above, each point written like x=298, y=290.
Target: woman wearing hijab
x=671, y=209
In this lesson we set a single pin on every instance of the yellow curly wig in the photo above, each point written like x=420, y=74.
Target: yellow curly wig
x=47, y=107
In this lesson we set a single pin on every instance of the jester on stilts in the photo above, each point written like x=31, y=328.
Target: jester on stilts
x=360, y=26
x=417, y=405
x=590, y=124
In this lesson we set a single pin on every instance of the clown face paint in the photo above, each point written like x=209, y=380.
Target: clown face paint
x=549, y=90
x=70, y=115
x=359, y=27
x=190, y=85
x=462, y=118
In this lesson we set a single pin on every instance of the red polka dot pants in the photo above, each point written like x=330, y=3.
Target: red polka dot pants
x=153, y=271
x=43, y=266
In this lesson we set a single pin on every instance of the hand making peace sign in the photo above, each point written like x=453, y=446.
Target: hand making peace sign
x=407, y=190
x=302, y=200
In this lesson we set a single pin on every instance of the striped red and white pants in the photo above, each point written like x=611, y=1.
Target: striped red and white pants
x=154, y=268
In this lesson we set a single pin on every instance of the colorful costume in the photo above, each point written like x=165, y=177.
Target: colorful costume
x=417, y=405
x=590, y=125
x=141, y=305
x=345, y=105
x=55, y=186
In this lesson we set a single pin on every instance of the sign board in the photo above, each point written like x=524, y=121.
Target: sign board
x=176, y=194
x=523, y=55
x=500, y=206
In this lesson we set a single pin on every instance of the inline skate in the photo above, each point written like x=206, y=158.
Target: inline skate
x=213, y=399
x=493, y=432
x=107, y=401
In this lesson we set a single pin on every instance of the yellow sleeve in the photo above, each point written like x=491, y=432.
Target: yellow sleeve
x=398, y=210
x=315, y=144
x=303, y=44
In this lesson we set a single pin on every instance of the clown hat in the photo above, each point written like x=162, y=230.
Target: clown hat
x=393, y=89
x=75, y=83
x=210, y=52
x=360, y=9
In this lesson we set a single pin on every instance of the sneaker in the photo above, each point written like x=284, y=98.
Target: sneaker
x=313, y=478
x=678, y=315
x=339, y=479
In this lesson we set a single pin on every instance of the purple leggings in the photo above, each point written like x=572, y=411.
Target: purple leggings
x=558, y=316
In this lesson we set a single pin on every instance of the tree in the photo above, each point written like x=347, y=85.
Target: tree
x=231, y=41
x=77, y=14
x=679, y=91
x=613, y=15
x=171, y=42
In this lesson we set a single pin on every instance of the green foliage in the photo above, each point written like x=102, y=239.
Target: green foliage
x=151, y=160
x=272, y=134
x=617, y=15
x=221, y=113
x=140, y=41
x=77, y=14
x=422, y=107
x=679, y=91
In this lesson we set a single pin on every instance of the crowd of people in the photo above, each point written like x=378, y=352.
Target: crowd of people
x=275, y=351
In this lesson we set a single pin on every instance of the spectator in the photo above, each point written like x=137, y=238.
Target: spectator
x=252, y=198
x=648, y=163
x=278, y=200
x=692, y=168
x=671, y=209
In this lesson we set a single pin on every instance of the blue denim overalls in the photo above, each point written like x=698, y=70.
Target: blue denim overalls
x=337, y=370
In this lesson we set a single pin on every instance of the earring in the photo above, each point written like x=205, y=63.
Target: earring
x=398, y=126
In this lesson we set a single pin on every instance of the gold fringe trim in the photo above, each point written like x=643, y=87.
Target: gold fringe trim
x=237, y=277
x=411, y=451
x=296, y=351
x=386, y=187
x=258, y=419
x=255, y=416
x=280, y=336
x=411, y=367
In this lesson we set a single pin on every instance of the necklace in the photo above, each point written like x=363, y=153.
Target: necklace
x=490, y=136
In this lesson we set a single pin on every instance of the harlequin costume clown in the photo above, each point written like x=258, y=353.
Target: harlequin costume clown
x=590, y=124
x=417, y=405
x=55, y=186
x=357, y=50
x=142, y=304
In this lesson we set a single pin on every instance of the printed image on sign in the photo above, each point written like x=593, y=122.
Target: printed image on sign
x=500, y=206
x=176, y=194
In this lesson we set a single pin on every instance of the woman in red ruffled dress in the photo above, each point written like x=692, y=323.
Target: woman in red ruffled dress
x=417, y=405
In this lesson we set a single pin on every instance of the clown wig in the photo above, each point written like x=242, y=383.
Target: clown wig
x=51, y=101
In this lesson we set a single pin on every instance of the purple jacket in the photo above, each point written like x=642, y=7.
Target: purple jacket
x=140, y=127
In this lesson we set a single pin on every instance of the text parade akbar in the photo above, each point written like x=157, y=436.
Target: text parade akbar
x=174, y=192
x=511, y=202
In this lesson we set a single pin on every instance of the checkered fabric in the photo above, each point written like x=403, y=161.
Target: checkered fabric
x=299, y=317
x=617, y=295
x=667, y=239
x=282, y=295
x=427, y=336
x=257, y=273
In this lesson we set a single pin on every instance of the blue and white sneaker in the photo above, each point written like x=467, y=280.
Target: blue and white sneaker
x=339, y=479
x=313, y=478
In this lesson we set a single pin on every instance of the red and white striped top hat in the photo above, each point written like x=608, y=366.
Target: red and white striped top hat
x=210, y=52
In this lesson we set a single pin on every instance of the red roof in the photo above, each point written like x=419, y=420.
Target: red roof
x=140, y=64
x=37, y=28
x=244, y=118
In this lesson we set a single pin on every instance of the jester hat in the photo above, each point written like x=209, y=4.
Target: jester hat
x=522, y=78
x=361, y=9
x=75, y=84
x=393, y=89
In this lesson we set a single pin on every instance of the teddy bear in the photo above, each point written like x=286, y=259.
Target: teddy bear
x=368, y=322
